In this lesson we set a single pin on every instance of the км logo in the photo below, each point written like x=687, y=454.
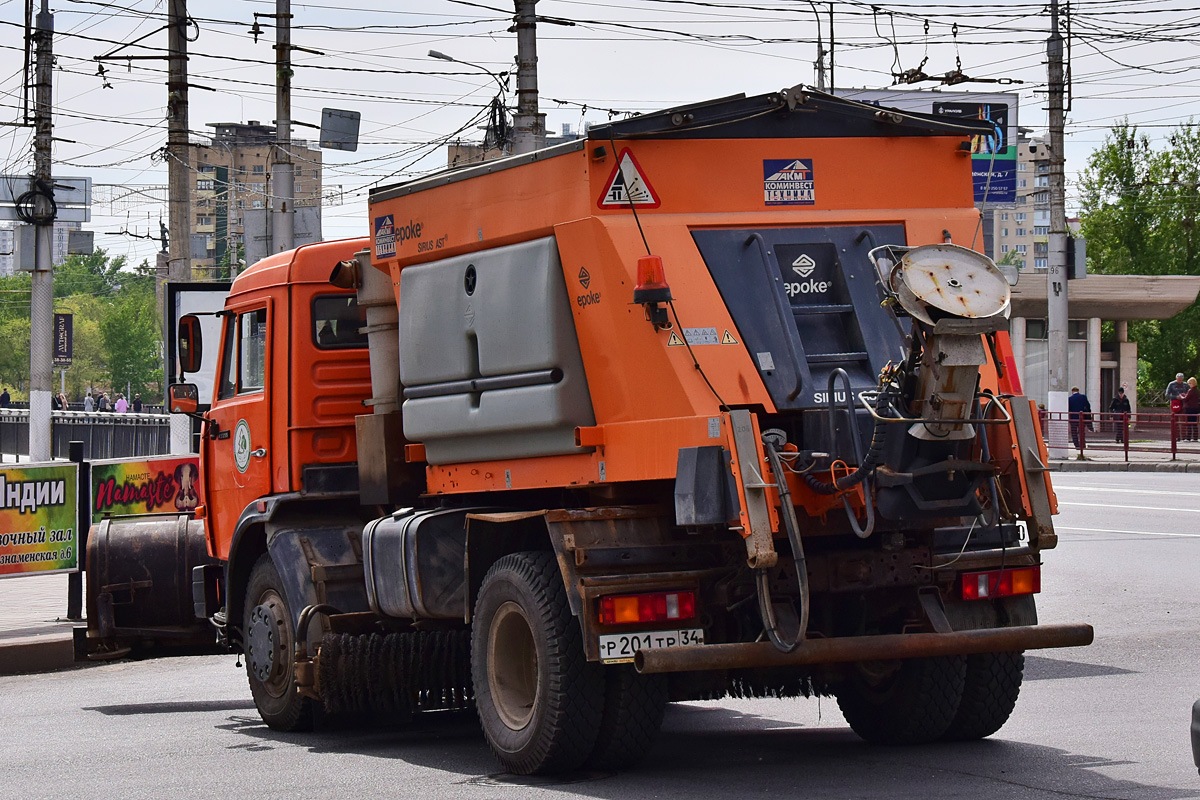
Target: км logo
x=388, y=236
x=788, y=182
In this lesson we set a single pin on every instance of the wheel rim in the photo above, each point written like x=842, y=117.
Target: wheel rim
x=512, y=666
x=268, y=643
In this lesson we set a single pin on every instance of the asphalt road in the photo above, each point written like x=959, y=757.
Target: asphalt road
x=1106, y=721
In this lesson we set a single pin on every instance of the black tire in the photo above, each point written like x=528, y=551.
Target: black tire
x=269, y=647
x=989, y=696
x=539, y=700
x=911, y=702
x=633, y=713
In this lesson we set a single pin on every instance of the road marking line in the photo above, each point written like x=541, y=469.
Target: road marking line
x=1134, y=508
x=1135, y=533
x=1059, y=486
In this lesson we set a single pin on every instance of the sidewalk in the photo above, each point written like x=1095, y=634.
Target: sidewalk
x=35, y=635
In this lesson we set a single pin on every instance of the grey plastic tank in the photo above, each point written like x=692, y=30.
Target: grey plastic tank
x=489, y=357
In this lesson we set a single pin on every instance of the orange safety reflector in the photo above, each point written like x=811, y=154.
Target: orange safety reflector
x=629, y=609
x=1001, y=583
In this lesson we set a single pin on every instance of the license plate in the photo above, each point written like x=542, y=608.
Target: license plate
x=618, y=648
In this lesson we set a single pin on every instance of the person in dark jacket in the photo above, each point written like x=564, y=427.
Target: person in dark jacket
x=1191, y=410
x=1078, y=406
x=1118, y=408
x=5, y=399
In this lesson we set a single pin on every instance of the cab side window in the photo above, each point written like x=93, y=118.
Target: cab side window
x=252, y=351
x=337, y=322
x=244, y=357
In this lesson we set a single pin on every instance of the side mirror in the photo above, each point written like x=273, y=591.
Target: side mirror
x=191, y=344
x=183, y=398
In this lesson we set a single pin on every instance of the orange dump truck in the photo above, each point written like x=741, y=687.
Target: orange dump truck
x=706, y=403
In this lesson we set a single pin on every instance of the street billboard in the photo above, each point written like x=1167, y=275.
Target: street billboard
x=169, y=485
x=993, y=156
x=38, y=519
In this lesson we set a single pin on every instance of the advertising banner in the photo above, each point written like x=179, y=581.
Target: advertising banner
x=64, y=339
x=37, y=519
x=168, y=485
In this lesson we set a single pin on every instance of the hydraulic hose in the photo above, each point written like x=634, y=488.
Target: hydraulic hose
x=792, y=526
x=879, y=437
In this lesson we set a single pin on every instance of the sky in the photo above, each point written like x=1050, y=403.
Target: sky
x=598, y=59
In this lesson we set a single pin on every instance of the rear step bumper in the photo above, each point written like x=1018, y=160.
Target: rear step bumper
x=862, y=648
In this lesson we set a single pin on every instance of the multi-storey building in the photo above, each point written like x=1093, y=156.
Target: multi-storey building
x=1021, y=233
x=232, y=173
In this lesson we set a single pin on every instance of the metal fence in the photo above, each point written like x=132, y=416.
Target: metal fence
x=1156, y=433
x=104, y=435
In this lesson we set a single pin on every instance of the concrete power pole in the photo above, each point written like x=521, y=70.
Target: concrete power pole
x=283, y=176
x=530, y=126
x=41, y=305
x=179, y=186
x=1056, y=273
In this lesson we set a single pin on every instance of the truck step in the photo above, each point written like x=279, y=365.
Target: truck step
x=836, y=358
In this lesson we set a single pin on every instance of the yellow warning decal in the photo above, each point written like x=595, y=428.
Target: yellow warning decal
x=674, y=341
x=728, y=338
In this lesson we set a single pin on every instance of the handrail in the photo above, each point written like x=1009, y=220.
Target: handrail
x=785, y=314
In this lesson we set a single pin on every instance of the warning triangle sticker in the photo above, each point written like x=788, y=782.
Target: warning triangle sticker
x=627, y=185
x=674, y=341
x=728, y=338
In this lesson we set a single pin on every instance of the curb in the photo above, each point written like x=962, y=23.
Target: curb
x=44, y=653
x=1125, y=466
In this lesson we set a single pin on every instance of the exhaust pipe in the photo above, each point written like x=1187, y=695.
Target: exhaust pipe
x=751, y=655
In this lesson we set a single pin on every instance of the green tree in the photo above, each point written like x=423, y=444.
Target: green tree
x=1139, y=209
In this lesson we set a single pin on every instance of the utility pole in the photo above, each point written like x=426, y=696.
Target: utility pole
x=819, y=64
x=1056, y=273
x=529, y=124
x=179, y=185
x=41, y=305
x=283, y=176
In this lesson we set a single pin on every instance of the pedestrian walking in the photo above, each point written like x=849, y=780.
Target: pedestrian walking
x=102, y=402
x=1119, y=407
x=137, y=403
x=5, y=399
x=1191, y=410
x=1080, y=410
x=122, y=405
x=89, y=402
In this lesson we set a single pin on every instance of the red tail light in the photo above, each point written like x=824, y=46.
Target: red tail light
x=1001, y=583
x=630, y=609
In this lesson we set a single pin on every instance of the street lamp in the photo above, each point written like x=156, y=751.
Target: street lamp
x=497, y=134
x=501, y=83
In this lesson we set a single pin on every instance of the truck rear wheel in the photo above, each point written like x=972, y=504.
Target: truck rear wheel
x=633, y=713
x=269, y=645
x=538, y=698
x=990, y=695
x=909, y=702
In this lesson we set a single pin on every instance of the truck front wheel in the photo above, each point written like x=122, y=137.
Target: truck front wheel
x=906, y=702
x=539, y=700
x=269, y=644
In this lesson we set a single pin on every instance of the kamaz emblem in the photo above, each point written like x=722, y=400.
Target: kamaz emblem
x=804, y=265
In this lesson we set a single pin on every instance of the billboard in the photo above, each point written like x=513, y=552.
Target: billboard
x=169, y=485
x=38, y=519
x=993, y=156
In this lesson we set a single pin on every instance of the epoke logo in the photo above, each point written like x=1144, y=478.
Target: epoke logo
x=585, y=277
x=804, y=265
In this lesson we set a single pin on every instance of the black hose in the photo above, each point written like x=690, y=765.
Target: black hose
x=879, y=438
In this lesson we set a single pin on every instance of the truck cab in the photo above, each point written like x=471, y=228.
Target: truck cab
x=292, y=374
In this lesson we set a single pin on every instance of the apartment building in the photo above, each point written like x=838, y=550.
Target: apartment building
x=1021, y=232
x=232, y=173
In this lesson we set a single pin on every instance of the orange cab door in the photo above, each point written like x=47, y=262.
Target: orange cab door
x=237, y=455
